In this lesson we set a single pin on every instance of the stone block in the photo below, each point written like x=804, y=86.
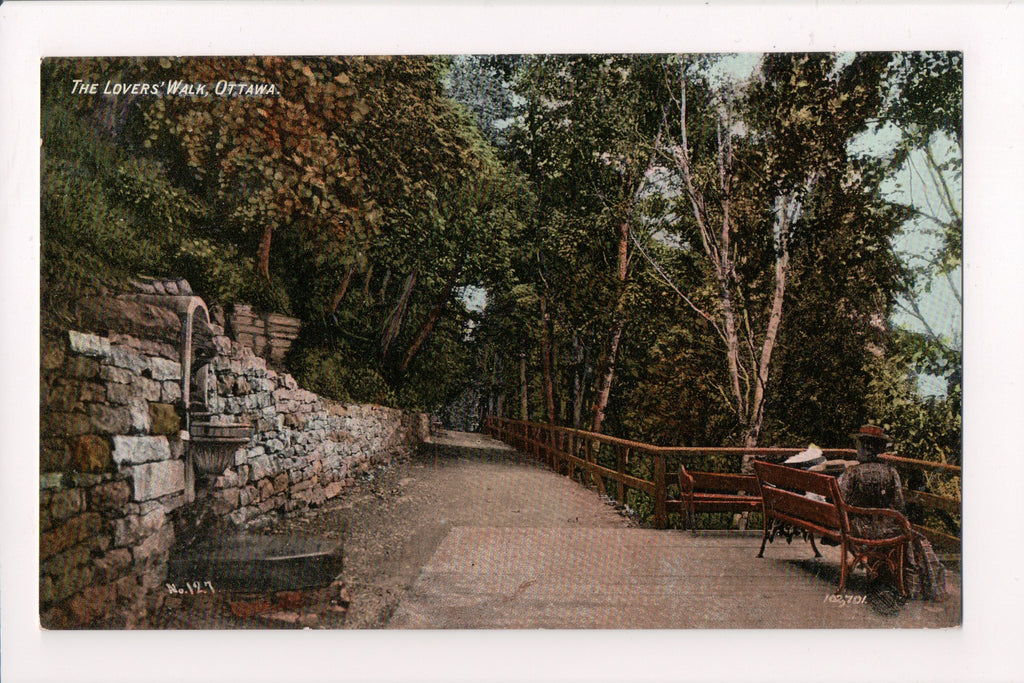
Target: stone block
x=110, y=496
x=261, y=467
x=51, y=353
x=126, y=531
x=64, y=395
x=51, y=480
x=71, y=532
x=226, y=500
x=163, y=419
x=281, y=482
x=273, y=503
x=54, y=455
x=156, y=479
x=82, y=367
x=63, y=563
x=170, y=392
x=242, y=515
x=107, y=419
x=88, y=344
x=163, y=369
x=66, y=503
x=247, y=496
x=46, y=591
x=128, y=359
x=116, y=375
x=293, y=421
x=134, y=450
x=266, y=489
x=92, y=604
x=302, y=485
x=119, y=394
x=155, y=547
x=72, y=582
x=147, y=389
x=64, y=424
x=87, y=479
x=90, y=454
x=138, y=416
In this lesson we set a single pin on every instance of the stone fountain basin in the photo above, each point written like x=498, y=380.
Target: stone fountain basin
x=257, y=563
x=213, y=444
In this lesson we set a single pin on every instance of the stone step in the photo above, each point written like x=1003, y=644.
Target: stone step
x=253, y=563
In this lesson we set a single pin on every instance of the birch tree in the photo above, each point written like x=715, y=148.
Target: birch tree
x=746, y=165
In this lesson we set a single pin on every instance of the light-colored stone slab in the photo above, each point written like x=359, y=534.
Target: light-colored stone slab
x=156, y=479
x=134, y=450
x=88, y=344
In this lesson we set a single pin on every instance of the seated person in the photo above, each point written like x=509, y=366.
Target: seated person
x=873, y=484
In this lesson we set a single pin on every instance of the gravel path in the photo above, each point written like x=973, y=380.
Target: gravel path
x=394, y=528
x=392, y=522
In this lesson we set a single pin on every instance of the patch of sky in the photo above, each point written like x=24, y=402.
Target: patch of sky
x=938, y=308
x=474, y=298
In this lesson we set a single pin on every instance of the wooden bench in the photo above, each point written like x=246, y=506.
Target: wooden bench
x=786, y=506
x=714, y=492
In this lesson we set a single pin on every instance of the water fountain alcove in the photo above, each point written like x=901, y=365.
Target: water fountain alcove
x=209, y=550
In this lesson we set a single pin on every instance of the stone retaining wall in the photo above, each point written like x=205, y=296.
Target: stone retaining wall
x=114, y=484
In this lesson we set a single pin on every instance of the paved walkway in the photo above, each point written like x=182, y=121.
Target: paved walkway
x=540, y=551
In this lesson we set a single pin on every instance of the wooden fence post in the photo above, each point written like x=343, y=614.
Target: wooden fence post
x=660, y=493
x=620, y=467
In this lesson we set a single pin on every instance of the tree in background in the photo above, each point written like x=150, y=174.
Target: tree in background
x=735, y=290
x=925, y=106
x=582, y=136
x=750, y=168
x=923, y=113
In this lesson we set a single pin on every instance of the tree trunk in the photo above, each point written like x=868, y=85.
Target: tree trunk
x=342, y=290
x=603, y=394
x=579, y=355
x=524, y=403
x=601, y=402
x=545, y=352
x=435, y=314
x=263, y=256
x=366, y=284
x=394, y=324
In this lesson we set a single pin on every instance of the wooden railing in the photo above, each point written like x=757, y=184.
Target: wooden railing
x=938, y=476
x=610, y=465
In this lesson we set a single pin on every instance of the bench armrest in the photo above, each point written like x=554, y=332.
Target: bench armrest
x=906, y=530
x=685, y=483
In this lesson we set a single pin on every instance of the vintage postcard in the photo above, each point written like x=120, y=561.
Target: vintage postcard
x=585, y=339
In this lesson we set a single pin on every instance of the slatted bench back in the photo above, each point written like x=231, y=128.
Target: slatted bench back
x=784, y=490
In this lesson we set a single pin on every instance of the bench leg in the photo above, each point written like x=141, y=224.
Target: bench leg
x=764, y=540
x=817, y=553
x=842, y=569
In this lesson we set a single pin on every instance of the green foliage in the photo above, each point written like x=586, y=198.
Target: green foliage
x=363, y=199
x=926, y=428
x=91, y=241
x=337, y=374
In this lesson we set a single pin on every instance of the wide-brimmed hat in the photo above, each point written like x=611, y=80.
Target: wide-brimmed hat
x=871, y=433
